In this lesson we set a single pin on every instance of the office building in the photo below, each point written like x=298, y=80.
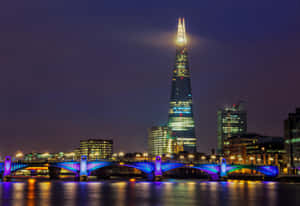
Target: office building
x=252, y=148
x=267, y=150
x=232, y=120
x=292, y=138
x=181, y=119
x=160, y=141
x=96, y=148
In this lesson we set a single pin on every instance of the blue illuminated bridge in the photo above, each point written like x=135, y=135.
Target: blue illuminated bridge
x=157, y=168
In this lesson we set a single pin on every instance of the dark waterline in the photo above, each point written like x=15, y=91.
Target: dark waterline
x=178, y=193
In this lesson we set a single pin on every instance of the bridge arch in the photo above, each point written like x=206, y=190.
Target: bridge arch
x=269, y=171
x=92, y=166
x=73, y=167
x=17, y=166
x=145, y=167
x=211, y=169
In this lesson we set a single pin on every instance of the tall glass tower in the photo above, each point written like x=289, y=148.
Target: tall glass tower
x=232, y=121
x=181, y=120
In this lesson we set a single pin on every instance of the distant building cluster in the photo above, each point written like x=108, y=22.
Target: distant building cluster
x=93, y=149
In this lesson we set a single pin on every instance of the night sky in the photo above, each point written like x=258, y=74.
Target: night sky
x=77, y=69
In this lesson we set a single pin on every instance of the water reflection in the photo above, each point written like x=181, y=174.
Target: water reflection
x=119, y=189
x=271, y=193
x=233, y=193
x=70, y=193
x=45, y=193
x=18, y=193
x=31, y=192
x=94, y=194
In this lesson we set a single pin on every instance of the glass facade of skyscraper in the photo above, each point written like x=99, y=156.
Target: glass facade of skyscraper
x=232, y=120
x=96, y=148
x=181, y=120
x=292, y=138
x=160, y=141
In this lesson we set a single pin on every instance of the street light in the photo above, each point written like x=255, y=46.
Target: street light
x=271, y=160
x=232, y=158
x=213, y=157
x=191, y=156
x=259, y=160
x=251, y=159
x=145, y=155
x=19, y=155
x=121, y=154
x=203, y=157
x=181, y=157
x=168, y=155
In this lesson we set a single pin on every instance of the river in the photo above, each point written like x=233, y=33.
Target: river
x=169, y=193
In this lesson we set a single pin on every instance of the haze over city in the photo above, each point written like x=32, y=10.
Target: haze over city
x=73, y=70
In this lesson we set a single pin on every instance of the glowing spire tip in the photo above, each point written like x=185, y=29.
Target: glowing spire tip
x=181, y=34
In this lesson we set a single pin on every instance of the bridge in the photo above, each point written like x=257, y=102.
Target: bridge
x=153, y=169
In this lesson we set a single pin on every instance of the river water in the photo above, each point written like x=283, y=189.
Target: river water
x=171, y=192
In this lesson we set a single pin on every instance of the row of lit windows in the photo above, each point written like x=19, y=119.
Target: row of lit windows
x=181, y=123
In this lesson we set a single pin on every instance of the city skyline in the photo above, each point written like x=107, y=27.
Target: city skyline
x=68, y=75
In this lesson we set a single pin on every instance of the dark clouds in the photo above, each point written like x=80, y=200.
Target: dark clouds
x=73, y=69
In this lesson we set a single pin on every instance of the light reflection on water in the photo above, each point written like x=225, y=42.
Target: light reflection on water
x=175, y=193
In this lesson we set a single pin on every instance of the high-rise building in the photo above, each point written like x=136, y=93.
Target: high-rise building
x=96, y=148
x=292, y=138
x=232, y=120
x=181, y=120
x=160, y=141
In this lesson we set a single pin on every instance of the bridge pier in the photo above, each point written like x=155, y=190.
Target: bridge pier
x=83, y=173
x=7, y=168
x=157, y=169
x=54, y=172
x=223, y=169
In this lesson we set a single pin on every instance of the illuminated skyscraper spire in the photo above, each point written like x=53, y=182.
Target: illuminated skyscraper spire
x=181, y=35
x=181, y=118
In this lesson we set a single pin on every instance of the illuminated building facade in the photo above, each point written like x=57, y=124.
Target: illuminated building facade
x=292, y=138
x=267, y=150
x=232, y=120
x=181, y=120
x=253, y=148
x=96, y=148
x=237, y=145
x=160, y=141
